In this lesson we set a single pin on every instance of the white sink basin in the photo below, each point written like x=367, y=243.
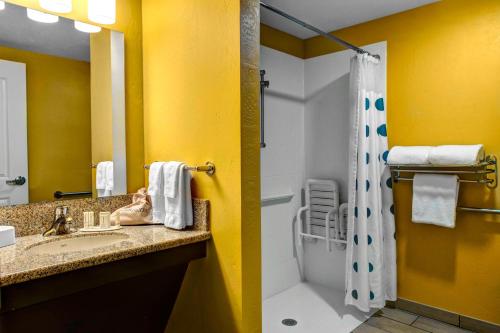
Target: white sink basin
x=77, y=243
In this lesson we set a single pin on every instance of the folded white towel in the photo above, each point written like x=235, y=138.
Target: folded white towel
x=100, y=178
x=171, y=178
x=179, y=209
x=456, y=154
x=109, y=179
x=409, y=155
x=155, y=191
x=435, y=199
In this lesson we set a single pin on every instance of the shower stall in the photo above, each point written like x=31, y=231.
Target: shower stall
x=305, y=149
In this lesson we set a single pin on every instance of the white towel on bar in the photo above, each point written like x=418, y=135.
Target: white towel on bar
x=109, y=179
x=155, y=191
x=171, y=178
x=100, y=178
x=456, y=154
x=409, y=155
x=178, y=208
x=435, y=199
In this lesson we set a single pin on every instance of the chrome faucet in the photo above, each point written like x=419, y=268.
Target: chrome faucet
x=62, y=222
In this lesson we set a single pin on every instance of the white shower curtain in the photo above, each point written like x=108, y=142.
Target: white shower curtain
x=371, y=247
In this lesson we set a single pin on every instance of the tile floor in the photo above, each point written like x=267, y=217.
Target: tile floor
x=398, y=321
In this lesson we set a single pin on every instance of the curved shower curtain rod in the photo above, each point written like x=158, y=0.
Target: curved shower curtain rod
x=316, y=30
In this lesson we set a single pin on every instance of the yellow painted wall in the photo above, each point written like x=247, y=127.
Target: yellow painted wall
x=281, y=41
x=58, y=100
x=101, y=101
x=443, y=87
x=192, y=113
x=128, y=21
x=102, y=117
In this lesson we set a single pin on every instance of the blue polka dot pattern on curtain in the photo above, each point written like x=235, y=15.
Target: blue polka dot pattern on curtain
x=382, y=130
x=371, y=245
x=385, y=155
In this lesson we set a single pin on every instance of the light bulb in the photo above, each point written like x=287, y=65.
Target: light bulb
x=88, y=28
x=58, y=6
x=35, y=15
x=2, y=5
x=102, y=11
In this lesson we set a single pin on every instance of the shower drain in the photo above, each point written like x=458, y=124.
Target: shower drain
x=289, y=322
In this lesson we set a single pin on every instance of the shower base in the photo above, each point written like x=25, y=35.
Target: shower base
x=316, y=309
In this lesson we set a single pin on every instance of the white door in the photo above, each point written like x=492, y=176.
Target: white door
x=13, y=134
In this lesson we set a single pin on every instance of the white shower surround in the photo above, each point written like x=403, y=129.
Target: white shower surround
x=307, y=129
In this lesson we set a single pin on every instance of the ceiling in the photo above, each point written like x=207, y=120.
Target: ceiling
x=331, y=15
x=58, y=39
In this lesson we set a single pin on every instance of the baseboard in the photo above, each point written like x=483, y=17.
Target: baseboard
x=446, y=316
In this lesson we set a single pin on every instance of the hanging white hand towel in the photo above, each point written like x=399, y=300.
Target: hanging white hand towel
x=456, y=154
x=155, y=191
x=435, y=199
x=100, y=178
x=108, y=191
x=177, y=190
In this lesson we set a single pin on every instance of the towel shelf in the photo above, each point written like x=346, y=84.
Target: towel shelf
x=485, y=172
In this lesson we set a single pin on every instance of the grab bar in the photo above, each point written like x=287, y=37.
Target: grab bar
x=263, y=85
x=60, y=195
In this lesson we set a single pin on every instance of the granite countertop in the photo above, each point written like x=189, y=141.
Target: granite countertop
x=19, y=264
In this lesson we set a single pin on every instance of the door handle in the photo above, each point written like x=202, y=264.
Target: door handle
x=16, y=182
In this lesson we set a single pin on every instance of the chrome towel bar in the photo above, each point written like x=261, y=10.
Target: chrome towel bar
x=484, y=172
x=208, y=168
x=479, y=210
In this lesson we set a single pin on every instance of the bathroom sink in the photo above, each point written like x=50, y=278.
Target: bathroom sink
x=77, y=243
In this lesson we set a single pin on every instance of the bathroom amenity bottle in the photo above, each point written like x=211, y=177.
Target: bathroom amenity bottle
x=104, y=220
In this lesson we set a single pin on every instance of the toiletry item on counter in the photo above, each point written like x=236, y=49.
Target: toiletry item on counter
x=104, y=220
x=115, y=221
x=88, y=220
x=139, y=212
x=435, y=199
x=7, y=236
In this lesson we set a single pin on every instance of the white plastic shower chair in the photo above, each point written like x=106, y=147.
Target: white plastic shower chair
x=322, y=208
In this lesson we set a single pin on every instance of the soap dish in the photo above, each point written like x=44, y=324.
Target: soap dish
x=99, y=229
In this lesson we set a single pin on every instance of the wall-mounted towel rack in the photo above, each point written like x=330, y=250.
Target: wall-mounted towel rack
x=484, y=172
x=208, y=168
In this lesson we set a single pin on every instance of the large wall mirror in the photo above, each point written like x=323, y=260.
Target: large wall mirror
x=62, y=108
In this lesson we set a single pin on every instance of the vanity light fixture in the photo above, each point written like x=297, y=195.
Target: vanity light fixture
x=58, y=6
x=2, y=5
x=35, y=15
x=88, y=28
x=102, y=11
